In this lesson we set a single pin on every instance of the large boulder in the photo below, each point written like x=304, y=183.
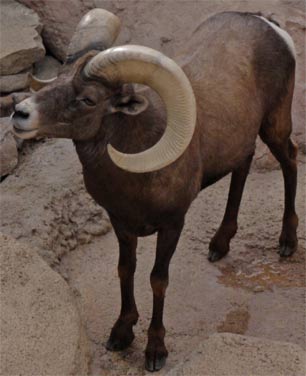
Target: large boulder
x=44, y=202
x=60, y=19
x=21, y=44
x=14, y=82
x=47, y=68
x=41, y=331
x=8, y=148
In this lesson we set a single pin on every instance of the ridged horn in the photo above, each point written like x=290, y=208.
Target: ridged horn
x=36, y=84
x=97, y=30
x=143, y=65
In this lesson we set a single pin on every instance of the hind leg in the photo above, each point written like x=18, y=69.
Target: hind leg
x=288, y=239
x=275, y=132
x=285, y=152
x=220, y=243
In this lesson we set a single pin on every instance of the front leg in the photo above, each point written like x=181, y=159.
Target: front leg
x=122, y=333
x=156, y=352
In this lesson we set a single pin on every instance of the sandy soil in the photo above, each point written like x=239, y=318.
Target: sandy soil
x=250, y=292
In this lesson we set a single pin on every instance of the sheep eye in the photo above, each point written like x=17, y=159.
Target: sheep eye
x=88, y=102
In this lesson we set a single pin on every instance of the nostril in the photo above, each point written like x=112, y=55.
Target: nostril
x=21, y=114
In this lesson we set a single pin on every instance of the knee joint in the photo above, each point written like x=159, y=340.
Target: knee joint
x=159, y=285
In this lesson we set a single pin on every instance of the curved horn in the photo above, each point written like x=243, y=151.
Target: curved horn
x=143, y=65
x=97, y=30
x=36, y=84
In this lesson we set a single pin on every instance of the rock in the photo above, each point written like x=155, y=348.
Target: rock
x=14, y=82
x=8, y=148
x=21, y=44
x=258, y=288
x=231, y=354
x=41, y=331
x=7, y=103
x=59, y=21
x=64, y=215
x=47, y=68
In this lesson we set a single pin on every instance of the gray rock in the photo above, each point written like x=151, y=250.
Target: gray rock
x=8, y=148
x=47, y=68
x=14, y=82
x=59, y=21
x=6, y=105
x=232, y=354
x=64, y=215
x=21, y=44
x=7, y=102
x=41, y=331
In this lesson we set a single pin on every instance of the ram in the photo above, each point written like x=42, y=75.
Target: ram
x=146, y=157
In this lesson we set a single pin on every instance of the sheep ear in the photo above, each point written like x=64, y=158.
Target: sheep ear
x=131, y=104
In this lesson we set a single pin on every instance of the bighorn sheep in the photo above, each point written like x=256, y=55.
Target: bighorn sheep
x=145, y=165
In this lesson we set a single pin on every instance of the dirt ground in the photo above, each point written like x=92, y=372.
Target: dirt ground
x=249, y=292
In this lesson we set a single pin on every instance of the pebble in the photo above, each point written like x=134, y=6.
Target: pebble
x=258, y=289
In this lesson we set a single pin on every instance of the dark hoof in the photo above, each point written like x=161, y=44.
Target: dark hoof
x=286, y=251
x=214, y=256
x=155, y=362
x=218, y=248
x=287, y=245
x=119, y=343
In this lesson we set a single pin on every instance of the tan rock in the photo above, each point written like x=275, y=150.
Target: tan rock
x=7, y=103
x=8, y=148
x=60, y=19
x=64, y=215
x=41, y=331
x=14, y=82
x=231, y=354
x=21, y=44
x=46, y=68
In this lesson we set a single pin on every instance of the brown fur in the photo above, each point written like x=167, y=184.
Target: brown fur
x=242, y=74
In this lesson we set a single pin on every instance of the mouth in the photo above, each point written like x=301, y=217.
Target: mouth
x=21, y=132
x=24, y=134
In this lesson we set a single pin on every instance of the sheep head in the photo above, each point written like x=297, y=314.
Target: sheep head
x=77, y=102
x=73, y=106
